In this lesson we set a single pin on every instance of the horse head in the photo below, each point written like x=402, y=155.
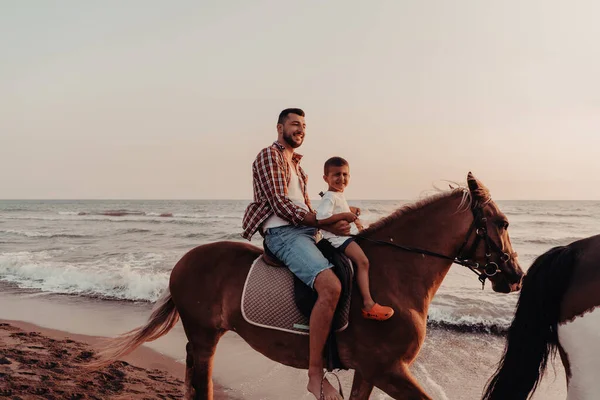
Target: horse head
x=490, y=249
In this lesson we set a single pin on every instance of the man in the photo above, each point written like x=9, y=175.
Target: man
x=282, y=212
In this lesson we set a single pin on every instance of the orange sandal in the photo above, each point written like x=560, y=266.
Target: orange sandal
x=378, y=313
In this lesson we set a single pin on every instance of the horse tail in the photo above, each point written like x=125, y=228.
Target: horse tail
x=164, y=316
x=533, y=334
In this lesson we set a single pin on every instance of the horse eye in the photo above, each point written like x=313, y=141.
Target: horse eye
x=503, y=224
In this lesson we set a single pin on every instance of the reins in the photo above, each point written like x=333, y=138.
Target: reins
x=479, y=226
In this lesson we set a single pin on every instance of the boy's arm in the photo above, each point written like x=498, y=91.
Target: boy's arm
x=325, y=215
x=345, y=216
x=325, y=219
x=358, y=224
x=355, y=210
x=340, y=228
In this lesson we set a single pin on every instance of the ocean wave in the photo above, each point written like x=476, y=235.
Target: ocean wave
x=130, y=278
x=479, y=327
x=35, y=234
x=231, y=236
x=207, y=216
x=552, y=241
x=551, y=214
x=141, y=277
x=132, y=230
x=209, y=220
x=162, y=214
x=547, y=223
x=452, y=319
x=111, y=213
x=212, y=236
x=116, y=213
x=198, y=235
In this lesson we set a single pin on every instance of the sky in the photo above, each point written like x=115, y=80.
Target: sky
x=173, y=100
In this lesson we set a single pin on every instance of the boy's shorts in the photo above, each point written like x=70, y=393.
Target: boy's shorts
x=340, y=242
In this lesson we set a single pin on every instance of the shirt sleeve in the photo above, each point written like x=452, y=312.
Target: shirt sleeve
x=325, y=209
x=271, y=177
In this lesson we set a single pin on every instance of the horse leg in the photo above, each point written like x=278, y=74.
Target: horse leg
x=200, y=352
x=361, y=389
x=189, y=372
x=400, y=384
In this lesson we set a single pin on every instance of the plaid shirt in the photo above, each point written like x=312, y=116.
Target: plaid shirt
x=270, y=179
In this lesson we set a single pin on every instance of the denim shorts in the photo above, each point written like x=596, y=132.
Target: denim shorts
x=296, y=247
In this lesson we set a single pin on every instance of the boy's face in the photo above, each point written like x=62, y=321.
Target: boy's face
x=337, y=178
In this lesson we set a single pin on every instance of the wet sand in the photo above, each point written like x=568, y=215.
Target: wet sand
x=451, y=365
x=49, y=364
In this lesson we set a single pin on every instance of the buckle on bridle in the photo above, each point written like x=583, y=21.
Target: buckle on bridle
x=491, y=269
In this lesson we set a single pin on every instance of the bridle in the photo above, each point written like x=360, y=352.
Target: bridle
x=465, y=258
x=479, y=226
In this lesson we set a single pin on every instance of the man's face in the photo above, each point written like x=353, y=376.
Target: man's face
x=293, y=130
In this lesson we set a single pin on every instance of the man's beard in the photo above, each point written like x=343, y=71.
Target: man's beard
x=289, y=139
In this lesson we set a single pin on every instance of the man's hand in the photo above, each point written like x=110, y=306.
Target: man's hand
x=340, y=228
x=310, y=219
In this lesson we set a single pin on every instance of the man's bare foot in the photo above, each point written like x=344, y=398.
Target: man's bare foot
x=314, y=386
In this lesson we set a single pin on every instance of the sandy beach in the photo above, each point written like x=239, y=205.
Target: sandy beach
x=451, y=365
x=45, y=363
x=38, y=361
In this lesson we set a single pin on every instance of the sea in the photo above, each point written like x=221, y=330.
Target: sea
x=121, y=252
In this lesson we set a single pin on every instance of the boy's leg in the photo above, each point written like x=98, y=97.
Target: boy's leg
x=371, y=309
x=358, y=257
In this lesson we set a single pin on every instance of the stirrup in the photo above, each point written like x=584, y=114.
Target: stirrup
x=340, y=391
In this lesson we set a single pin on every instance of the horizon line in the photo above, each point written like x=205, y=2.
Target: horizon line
x=248, y=200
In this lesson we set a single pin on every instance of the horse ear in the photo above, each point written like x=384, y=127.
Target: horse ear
x=472, y=182
x=477, y=189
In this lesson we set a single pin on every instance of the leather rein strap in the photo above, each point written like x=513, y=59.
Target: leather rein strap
x=479, y=227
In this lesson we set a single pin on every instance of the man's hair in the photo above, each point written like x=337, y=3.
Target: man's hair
x=284, y=114
x=334, y=162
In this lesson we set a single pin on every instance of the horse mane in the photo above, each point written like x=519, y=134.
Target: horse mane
x=532, y=339
x=481, y=195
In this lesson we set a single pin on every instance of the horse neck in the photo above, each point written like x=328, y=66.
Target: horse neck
x=438, y=227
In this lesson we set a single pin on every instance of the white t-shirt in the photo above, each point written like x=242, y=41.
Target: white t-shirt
x=295, y=195
x=334, y=203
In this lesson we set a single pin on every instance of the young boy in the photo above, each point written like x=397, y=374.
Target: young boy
x=333, y=208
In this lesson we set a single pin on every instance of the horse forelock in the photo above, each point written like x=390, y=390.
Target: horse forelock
x=407, y=209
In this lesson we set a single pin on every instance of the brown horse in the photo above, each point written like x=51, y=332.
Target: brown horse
x=558, y=310
x=206, y=289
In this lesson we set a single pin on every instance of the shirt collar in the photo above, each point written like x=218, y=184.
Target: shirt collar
x=295, y=156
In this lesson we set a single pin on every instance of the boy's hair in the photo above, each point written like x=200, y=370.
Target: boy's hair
x=284, y=114
x=334, y=162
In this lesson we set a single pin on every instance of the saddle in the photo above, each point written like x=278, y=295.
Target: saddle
x=305, y=297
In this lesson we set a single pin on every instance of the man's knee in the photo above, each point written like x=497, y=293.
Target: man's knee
x=328, y=286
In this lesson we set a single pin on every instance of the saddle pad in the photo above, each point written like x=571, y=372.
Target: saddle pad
x=268, y=301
